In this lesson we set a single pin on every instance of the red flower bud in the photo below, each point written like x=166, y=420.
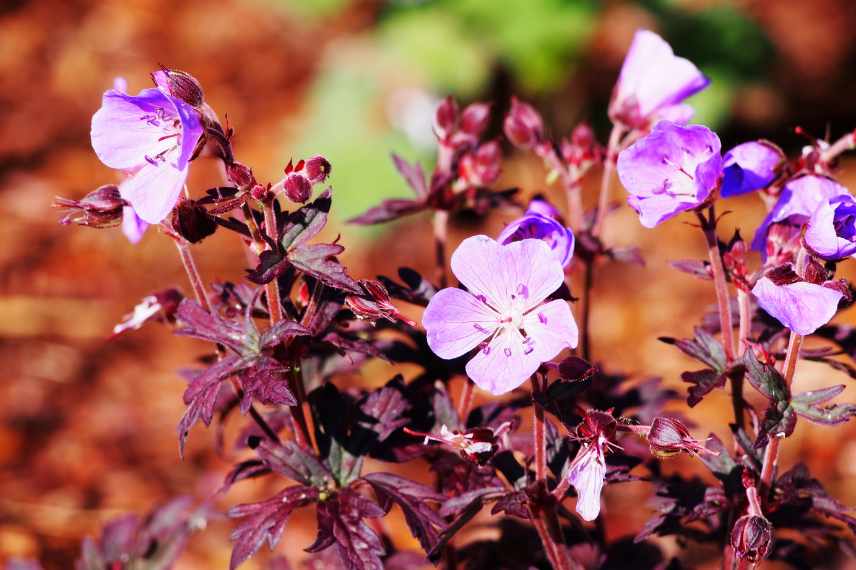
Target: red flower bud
x=180, y=85
x=523, y=125
x=446, y=118
x=375, y=304
x=668, y=437
x=297, y=188
x=317, y=169
x=240, y=174
x=101, y=208
x=752, y=538
x=474, y=119
x=481, y=168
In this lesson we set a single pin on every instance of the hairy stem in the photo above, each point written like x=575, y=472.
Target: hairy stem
x=441, y=222
x=272, y=288
x=723, y=301
x=771, y=453
x=585, y=318
x=608, y=167
x=842, y=145
x=465, y=401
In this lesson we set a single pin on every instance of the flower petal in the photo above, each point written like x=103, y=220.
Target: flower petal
x=153, y=190
x=132, y=226
x=586, y=474
x=456, y=322
x=517, y=275
x=535, y=226
x=750, y=166
x=821, y=237
x=123, y=136
x=503, y=364
x=191, y=130
x=550, y=329
x=802, y=307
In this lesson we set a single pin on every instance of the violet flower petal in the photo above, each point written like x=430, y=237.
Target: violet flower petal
x=797, y=202
x=671, y=170
x=456, y=322
x=504, y=363
x=750, y=166
x=652, y=78
x=830, y=232
x=153, y=191
x=550, y=329
x=132, y=226
x=517, y=276
x=552, y=232
x=586, y=474
x=802, y=307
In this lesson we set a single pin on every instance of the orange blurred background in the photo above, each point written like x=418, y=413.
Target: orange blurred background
x=87, y=425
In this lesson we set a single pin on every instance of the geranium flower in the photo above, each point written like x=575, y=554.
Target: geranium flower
x=540, y=222
x=503, y=312
x=587, y=471
x=799, y=199
x=801, y=306
x=151, y=137
x=669, y=171
x=652, y=83
x=831, y=230
x=750, y=166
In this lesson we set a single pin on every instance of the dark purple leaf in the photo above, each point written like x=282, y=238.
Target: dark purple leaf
x=797, y=485
x=289, y=459
x=694, y=267
x=703, y=347
x=265, y=521
x=283, y=330
x=196, y=322
x=305, y=223
x=703, y=382
x=248, y=469
x=202, y=393
x=319, y=261
x=389, y=210
x=412, y=174
x=806, y=406
x=416, y=289
x=765, y=378
x=413, y=498
x=271, y=265
x=341, y=523
x=192, y=222
x=266, y=381
x=515, y=504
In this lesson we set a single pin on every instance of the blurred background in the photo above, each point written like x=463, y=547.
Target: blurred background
x=87, y=425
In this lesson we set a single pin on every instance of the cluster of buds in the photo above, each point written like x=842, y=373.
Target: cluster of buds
x=477, y=445
x=300, y=177
x=458, y=134
x=375, y=304
x=734, y=260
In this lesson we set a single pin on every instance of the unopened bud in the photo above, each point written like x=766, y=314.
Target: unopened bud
x=101, y=208
x=317, y=169
x=474, y=119
x=523, y=125
x=240, y=174
x=297, y=188
x=446, y=118
x=180, y=85
x=481, y=168
x=375, y=304
x=752, y=538
x=192, y=221
x=668, y=437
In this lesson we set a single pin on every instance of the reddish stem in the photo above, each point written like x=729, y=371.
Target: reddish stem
x=608, y=167
x=465, y=402
x=441, y=222
x=708, y=226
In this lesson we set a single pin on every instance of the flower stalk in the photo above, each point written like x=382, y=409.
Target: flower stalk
x=612, y=148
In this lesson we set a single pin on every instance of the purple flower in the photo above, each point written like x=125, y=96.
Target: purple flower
x=750, y=166
x=540, y=222
x=801, y=306
x=652, y=84
x=503, y=313
x=669, y=171
x=799, y=199
x=586, y=474
x=831, y=230
x=132, y=226
x=150, y=136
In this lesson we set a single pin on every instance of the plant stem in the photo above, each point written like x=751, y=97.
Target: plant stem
x=441, y=222
x=465, y=401
x=722, y=299
x=272, y=288
x=845, y=143
x=585, y=318
x=608, y=167
x=744, y=304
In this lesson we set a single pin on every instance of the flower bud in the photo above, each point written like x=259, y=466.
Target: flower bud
x=446, y=118
x=192, y=221
x=180, y=85
x=523, y=125
x=474, y=119
x=481, y=168
x=752, y=538
x=668, y=437
x=101, y=208
x=240, y=174
x=297, y=188
x=317, y=169
x=375, y=304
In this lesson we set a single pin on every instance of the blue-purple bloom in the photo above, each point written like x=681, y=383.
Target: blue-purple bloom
x=541, y=222
x=671, y=170
x=503, y=312
x=801, y=306
x=151, y=137
x=799, y=199
x=831, y=230
x=652, y=84
x=750, y=166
